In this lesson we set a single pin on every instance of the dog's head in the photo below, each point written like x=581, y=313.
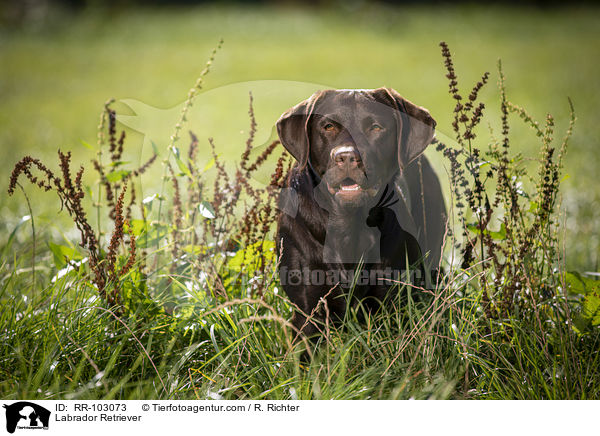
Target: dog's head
x=356, y=140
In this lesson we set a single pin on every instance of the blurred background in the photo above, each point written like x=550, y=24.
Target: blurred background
x=61, y=60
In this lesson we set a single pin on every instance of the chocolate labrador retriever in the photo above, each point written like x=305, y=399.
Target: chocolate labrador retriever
x=361, y=197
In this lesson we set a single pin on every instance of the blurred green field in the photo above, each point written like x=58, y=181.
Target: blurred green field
x=55, y=78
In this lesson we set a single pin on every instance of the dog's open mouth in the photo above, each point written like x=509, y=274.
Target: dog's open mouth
x=348, y=185
x=349, y=189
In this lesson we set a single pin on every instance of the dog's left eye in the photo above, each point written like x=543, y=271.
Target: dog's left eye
x=329, y=127
x=376, y=127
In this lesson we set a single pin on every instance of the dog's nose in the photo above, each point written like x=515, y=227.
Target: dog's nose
x=345, y=156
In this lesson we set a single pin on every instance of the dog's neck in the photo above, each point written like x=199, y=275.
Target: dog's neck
x=343, y=231
x=349, y=239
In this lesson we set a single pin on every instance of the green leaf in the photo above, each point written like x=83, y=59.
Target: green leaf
x=209, y=165
x=22, y=221
x=575, y=283
x=591, y=308
x=249, y=255
x=118, y=163
x=590, y=304
x=183, y=167
x=533, y=206
x=154, y=147
x=62, y=254
x=195, y=249
x=578, y=284
x=499, y=235
x=116, y=176
x=136, y=227
x=581, y=323
x=88, y=191
x=206, y=210
x=473, y=228
x=87, y=145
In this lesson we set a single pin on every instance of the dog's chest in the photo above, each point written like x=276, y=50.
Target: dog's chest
x=351, y=241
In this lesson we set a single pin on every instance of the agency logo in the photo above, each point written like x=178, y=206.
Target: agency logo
x=26, y=415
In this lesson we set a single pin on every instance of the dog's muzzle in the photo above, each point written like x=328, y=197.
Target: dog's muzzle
x=346, y=158
x=346, y=155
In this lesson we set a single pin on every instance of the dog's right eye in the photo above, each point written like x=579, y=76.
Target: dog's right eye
x=329, y=127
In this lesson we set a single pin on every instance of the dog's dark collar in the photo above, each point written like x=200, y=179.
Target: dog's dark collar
x=314, y=174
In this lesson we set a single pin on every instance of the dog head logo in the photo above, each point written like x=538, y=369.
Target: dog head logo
x=352, y=171
x=24, y=414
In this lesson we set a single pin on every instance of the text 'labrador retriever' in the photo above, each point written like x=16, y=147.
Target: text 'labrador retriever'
x=360, y=194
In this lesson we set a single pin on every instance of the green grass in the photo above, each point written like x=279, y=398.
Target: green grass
x=59, y=340
x=77, y=350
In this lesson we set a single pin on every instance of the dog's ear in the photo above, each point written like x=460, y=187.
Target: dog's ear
x=292, y=128
x=416, y=127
